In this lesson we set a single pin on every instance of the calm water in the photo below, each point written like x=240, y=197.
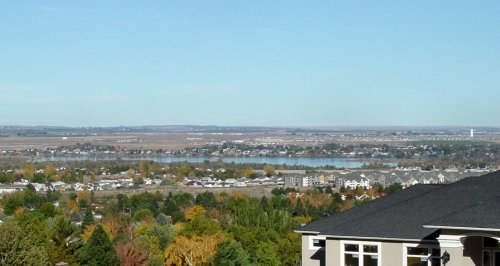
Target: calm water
x=305, y=161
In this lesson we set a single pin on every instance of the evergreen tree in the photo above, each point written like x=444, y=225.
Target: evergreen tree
x=169, y=207
x=88, y=219
x=265, y=254
x=206, y=199
x=98, y=250
x=231, y=254
x=19, y=246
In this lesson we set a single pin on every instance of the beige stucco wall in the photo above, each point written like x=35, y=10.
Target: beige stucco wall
x=332, y=252
x=392, y=253
x=309, y=255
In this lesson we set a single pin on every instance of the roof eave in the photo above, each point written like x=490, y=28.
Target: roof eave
x=374, y=238
x=306, y=232
x=462, y=228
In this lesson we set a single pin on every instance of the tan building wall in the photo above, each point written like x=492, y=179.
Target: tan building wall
x=392, y=253
x=311, y=257
x=332, y=252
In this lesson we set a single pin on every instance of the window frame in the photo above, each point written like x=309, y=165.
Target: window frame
x=429, y=248
x=360, y=252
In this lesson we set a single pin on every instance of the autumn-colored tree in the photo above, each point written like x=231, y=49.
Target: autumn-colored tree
x=269, y=170
x=29, y=171
x=73, y=206
x=144, y=167
x=183, y=170
x=130, y=255
x=198, y=250
x=248, y=172
x=194, y=212
x=84, y=195
x=50, y=172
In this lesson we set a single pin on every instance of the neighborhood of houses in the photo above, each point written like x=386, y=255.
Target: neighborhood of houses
x=384, y=178
x=349, y=179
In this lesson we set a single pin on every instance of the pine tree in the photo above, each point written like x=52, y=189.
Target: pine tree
x=231, y=254
x=98, y=250
x=88, y=219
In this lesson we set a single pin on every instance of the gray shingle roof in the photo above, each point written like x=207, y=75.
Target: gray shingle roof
x=484, y=214
x=471, y=202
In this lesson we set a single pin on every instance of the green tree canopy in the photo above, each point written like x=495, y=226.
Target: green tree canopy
x=98, y=250
x=20, y=247
x=231, y=254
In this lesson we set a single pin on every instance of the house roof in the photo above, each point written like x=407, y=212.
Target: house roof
x=472, y=202
x=484, y=215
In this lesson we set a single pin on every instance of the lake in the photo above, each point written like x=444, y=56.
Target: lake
x=305, y=161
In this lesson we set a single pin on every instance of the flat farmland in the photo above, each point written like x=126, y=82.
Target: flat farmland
x=169, y=141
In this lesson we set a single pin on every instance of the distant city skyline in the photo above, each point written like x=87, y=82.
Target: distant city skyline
x=250, y=63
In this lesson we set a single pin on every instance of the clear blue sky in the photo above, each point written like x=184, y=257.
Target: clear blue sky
x=262, y=63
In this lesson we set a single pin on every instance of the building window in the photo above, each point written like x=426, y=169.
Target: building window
x=360, y=254
x=487, y=258
x=491, y=251
x=418, y=255
x=317, y=242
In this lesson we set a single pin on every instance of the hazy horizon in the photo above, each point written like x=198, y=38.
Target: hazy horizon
x=326, y=127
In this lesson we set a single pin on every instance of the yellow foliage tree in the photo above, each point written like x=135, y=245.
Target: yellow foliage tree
x=50, y=171
x=195, y=211
x=183, y=170
x=247, y=172
x=270, y=171
x=198, y=250
x=29, y=171
x=73, y=205
x=83, y=195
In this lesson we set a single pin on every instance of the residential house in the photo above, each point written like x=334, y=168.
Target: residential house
x=455, y=224
x=9, y=188
x=296, y=181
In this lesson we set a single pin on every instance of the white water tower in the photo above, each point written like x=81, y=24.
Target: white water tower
x=471, y=133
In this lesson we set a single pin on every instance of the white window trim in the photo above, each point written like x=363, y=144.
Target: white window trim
x=414, y=245
x=348, y=242
x=311, y=244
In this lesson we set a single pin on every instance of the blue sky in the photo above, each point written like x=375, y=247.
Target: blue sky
x=259, y=63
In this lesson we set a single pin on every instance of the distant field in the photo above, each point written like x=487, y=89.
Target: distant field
x=451, y=142
x=179, y=140
x=170, y=141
